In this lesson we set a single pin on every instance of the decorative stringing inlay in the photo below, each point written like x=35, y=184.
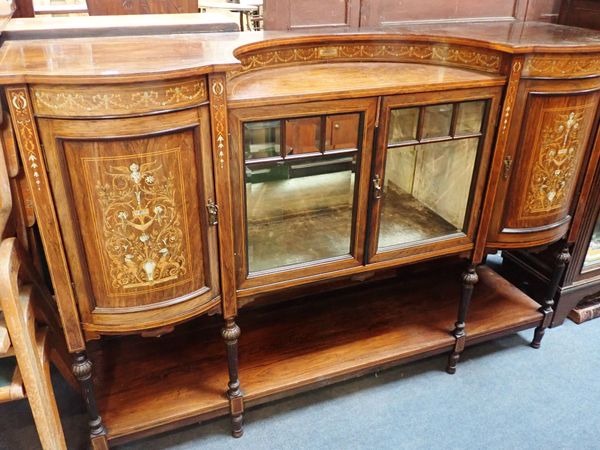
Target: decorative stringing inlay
x=141, y=225
x=562, y=66
x=488, y=61
x=553, y=172
x=26, y=132
x=66, y=101
x=219, y=111
x=511, y=92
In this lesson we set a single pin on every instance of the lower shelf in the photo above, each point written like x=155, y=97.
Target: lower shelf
x=148, y=385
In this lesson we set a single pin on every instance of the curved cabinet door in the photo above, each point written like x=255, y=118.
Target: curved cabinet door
x=131, y=195
x=543, y=167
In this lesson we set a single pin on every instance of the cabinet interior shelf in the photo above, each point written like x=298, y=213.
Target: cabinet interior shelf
x=148, y=385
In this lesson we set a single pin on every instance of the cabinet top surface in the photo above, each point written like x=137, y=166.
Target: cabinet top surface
x=280, y=85
x=134, y=58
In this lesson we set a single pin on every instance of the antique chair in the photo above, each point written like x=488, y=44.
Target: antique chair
x=26, y=348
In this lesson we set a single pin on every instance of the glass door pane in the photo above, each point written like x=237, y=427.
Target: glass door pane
x=428, y=172
x=299, y=204
x=592, y=257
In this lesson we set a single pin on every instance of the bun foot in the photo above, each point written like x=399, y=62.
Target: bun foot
x=452, y=362
x=537, y=337
x=237, y=426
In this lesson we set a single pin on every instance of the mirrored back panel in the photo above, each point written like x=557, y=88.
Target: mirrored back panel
x=430, y=160
x=300, y=188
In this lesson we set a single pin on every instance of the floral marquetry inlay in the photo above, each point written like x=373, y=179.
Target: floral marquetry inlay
x=562, y=66
x=142, y=227
x=485, y=60
x=555, y=167
x=73, y=101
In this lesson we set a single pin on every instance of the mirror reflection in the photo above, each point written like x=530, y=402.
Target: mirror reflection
x=299, y=199
x=427, y=185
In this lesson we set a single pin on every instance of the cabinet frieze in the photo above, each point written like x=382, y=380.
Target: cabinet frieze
x=452, y=55
x=116, y=100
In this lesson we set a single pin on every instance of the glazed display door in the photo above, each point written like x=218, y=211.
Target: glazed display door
x=431, y=161
x=140, y=245
x=302, y=182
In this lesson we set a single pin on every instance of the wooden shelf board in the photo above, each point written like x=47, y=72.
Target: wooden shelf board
x=147, y=385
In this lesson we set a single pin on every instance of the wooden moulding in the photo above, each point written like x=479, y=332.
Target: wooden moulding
x=181, y=377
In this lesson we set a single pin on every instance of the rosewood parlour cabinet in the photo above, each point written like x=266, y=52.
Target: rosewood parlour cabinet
x=201, y=174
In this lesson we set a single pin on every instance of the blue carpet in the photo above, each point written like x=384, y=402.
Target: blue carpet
x=505, y=395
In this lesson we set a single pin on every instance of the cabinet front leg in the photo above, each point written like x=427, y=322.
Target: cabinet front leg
x=469, y=279
x=82, y=369
x=231, y=334
x=562, y=259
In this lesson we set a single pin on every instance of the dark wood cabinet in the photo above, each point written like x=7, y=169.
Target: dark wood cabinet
x=306, y=14
x=187, y=176
x=580, y=13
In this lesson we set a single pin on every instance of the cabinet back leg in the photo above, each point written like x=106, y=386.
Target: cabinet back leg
x=469, y=279
x=562, y=259
x=231, y=334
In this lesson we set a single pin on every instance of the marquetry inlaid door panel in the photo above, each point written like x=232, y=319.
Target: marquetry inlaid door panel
x=542, y=171
x=132, y=210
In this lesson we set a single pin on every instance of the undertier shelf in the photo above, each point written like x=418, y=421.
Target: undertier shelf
x=149, y=385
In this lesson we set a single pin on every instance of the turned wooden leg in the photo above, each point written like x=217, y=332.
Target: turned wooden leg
x=82, y=369
x=469, y=279
x=230, y=334
x=562, y=259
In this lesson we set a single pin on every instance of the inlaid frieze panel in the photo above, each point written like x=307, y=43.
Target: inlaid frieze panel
x=137, y=204
x=562, y=66
x=452, y=55
x=117, y=100
x=554, y=142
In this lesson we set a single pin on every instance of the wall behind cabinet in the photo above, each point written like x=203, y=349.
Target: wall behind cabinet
x=302, y=14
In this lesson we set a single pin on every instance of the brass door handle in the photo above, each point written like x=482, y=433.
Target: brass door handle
x=377, y=189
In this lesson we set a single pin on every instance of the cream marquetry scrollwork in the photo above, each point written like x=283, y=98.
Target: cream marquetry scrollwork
x=562, y=66
x=74, y=101
x=485, y=60
x=556, y=165
x=142, y=226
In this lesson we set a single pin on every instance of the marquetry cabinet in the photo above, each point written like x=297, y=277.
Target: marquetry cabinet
x=545, y=162
x=582, y=278
x=190, y=176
